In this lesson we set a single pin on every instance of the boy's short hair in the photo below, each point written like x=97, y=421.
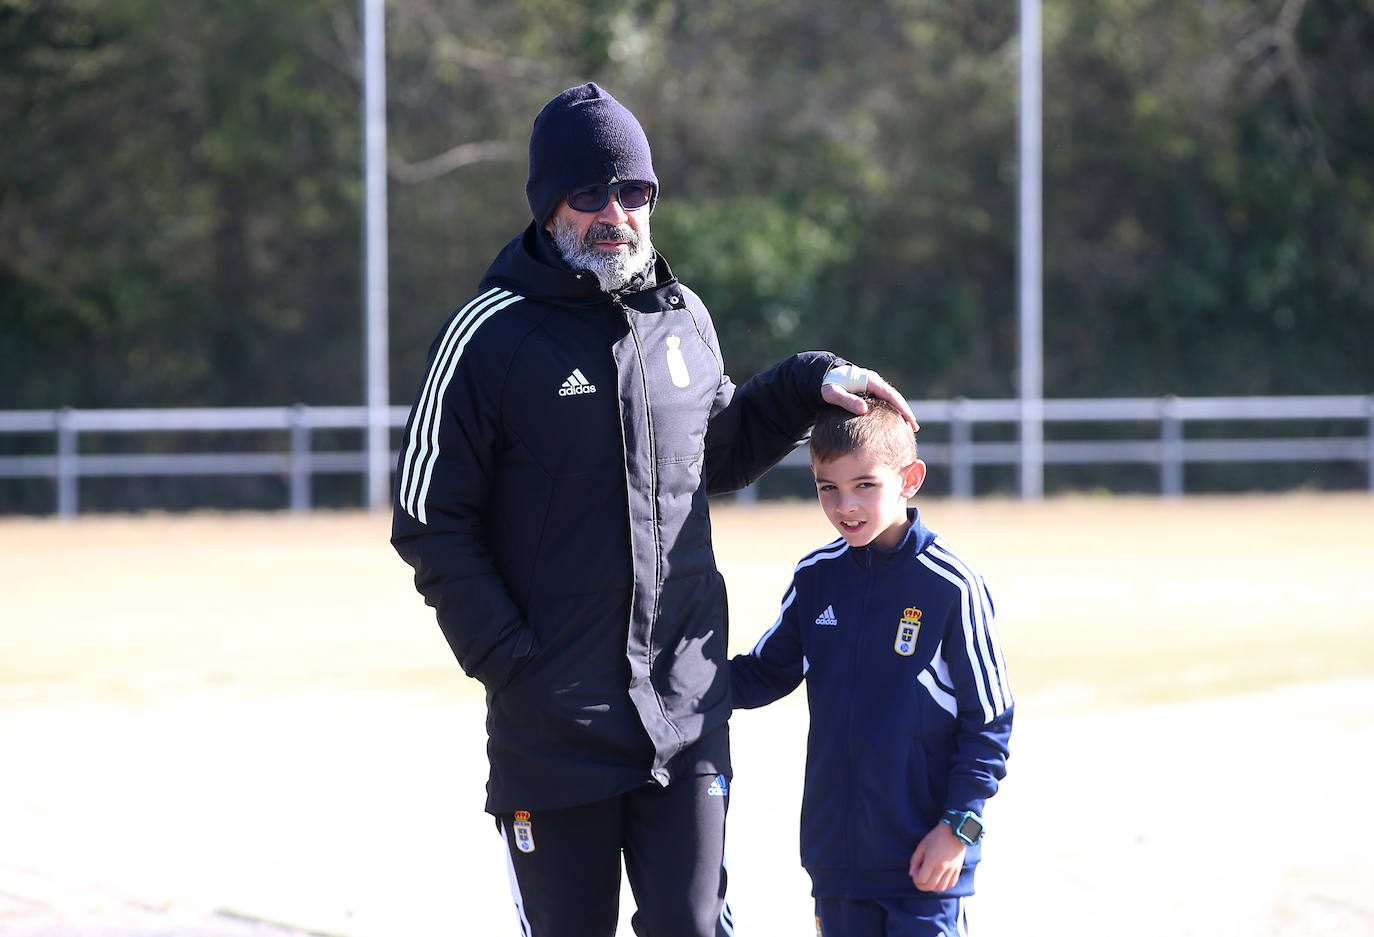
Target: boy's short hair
x=881, y=432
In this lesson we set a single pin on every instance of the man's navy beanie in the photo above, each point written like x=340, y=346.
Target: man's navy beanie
x=583, y=137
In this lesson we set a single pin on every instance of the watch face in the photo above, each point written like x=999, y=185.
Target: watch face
x=970, y=829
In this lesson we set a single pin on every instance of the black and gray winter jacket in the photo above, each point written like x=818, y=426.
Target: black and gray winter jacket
x=551, y=495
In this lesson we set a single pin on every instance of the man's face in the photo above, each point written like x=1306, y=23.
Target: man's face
x=612, y=243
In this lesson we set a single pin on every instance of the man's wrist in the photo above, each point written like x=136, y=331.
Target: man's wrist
x=848, y=377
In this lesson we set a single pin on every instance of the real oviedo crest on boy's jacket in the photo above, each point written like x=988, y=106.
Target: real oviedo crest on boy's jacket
x=910, y=706
x=907, y=630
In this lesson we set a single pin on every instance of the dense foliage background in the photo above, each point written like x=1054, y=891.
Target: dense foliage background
x=180, y=194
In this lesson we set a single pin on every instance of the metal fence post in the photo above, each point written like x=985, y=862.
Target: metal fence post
x=68, y=467
x=1369, y=441
x=960, y=449
x=1171, y=448
x=300, y=459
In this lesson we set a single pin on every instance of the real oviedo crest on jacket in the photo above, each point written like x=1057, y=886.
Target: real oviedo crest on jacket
x=907, y=630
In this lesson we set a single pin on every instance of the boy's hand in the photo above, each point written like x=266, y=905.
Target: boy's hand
x=937, y=861
x=843, y=384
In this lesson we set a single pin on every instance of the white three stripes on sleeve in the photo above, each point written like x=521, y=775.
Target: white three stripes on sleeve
x=980, y=634
x=786, y=604
x=422, y=443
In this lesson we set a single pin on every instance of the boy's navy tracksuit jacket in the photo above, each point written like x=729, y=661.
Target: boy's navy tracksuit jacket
x=910, y=707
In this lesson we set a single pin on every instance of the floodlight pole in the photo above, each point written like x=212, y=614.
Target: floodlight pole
x=375, y=255
x=1029, y=266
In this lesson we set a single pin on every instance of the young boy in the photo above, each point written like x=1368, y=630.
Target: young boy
x=907, y=689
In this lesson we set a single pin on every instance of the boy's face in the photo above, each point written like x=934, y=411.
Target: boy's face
x=866, y=499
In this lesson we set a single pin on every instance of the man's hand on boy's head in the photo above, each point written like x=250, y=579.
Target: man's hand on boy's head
x=938, y=860
x=843, y=384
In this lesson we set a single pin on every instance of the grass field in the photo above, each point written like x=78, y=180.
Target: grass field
x=1107, y=599
x=1135, y=600
x=257, y=712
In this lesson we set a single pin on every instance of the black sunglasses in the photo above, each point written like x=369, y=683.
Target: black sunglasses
x=631, y=195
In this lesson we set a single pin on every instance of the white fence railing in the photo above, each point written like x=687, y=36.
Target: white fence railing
x=1167, y=447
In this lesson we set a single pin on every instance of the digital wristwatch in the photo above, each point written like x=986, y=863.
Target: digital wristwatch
x=967, y=825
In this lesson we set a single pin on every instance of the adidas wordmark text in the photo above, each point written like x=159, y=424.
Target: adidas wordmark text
x=576, y=383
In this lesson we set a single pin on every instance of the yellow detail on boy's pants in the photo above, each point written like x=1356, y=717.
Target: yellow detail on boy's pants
x=818, y=926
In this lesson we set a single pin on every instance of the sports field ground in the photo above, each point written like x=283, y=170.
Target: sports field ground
x=217, y=724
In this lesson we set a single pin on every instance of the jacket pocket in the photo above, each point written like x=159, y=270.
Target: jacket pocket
x=928, y=763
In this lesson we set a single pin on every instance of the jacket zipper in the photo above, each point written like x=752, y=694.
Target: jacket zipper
x=866, y=565
x=653, y=448
x=650, y=650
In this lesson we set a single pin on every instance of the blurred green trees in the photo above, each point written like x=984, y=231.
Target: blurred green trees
x=180, y=197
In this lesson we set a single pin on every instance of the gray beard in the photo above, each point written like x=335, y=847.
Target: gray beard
x=613, y=271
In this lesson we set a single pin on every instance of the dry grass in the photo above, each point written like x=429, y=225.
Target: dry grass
x=133, y=607
x=1111, y=599
x=1130, y=599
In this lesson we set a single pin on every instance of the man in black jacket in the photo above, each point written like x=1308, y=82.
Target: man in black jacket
x=552, y=499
